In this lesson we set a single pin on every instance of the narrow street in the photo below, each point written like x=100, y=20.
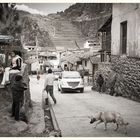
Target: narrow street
x=37, y=123
x=86, y=46
x=72, y=111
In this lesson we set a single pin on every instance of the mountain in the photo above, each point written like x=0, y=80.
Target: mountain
x=35, y=30
x=50, y=32
x=64, y=33
x=66, y=30
x=88, y=17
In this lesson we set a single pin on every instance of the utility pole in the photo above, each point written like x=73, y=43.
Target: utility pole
x=37, y=49
x=77, y=45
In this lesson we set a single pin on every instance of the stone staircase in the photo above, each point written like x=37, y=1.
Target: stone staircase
x=65, y=34
x=62, y=32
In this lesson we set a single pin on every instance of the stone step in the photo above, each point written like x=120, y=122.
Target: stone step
x=65, y=33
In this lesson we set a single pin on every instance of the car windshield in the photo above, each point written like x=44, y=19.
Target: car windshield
x=71, y=75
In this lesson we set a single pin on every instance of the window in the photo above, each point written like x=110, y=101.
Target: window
x=85, y=63
x=102, y=57
x=79, y=62
x=90, y=41
x=123, y=39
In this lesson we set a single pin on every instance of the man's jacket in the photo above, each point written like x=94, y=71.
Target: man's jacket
x=18, y=88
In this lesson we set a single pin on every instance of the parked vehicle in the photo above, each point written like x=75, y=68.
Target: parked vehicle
x=57, y=73
x=69, y=81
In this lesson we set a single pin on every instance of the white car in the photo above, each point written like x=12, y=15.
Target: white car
x=57, y=73
x=69, y=81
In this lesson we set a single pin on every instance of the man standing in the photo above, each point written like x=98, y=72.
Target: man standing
x=48, y=85
x=18, y=88
x=100, y=81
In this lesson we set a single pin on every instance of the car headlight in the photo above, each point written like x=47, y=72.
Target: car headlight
x=64, y=83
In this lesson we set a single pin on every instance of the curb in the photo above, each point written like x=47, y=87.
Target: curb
x=54, y=122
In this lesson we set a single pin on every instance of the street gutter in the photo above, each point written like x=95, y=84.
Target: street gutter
x=54, y=122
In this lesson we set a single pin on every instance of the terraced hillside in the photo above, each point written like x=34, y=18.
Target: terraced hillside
x=65, y=34
x=70, y=29
x=53, y=32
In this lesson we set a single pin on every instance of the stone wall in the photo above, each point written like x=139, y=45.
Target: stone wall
x=122, y=77
x=104, y=68
x=27, y=97
x=128, y=79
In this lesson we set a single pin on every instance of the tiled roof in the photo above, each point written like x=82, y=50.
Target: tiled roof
x=72, y=58
x=88, y=54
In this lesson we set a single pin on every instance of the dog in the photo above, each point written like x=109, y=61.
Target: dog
x=109, y=117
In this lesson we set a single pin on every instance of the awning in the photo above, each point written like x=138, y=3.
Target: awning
x=73, y=58
x=106, y=26
x=47, y=54
x=4, y=39
x=47, y=63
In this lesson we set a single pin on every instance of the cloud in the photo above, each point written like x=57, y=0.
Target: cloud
x=30, y=10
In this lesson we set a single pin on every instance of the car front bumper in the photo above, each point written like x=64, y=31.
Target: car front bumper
x=67, y=88
x=71, y=89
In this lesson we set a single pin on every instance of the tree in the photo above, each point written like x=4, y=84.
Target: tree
x=9, y=19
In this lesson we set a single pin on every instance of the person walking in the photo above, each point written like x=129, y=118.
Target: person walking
x=15, y=67
x=100, y=81
x=18, y=88
x=48, y=85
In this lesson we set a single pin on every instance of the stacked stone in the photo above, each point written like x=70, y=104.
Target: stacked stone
x=27, y=97
x=128, y=70
x=123, y=75
x=104, y=69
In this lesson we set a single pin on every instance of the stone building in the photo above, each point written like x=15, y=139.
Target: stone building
x=125, y=49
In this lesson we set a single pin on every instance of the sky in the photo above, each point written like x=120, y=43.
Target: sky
x=43, y=8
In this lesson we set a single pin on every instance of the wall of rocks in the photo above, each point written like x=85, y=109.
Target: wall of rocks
x=104, y=68
x=121, y=76
x=27, y=97
x=128, y=79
